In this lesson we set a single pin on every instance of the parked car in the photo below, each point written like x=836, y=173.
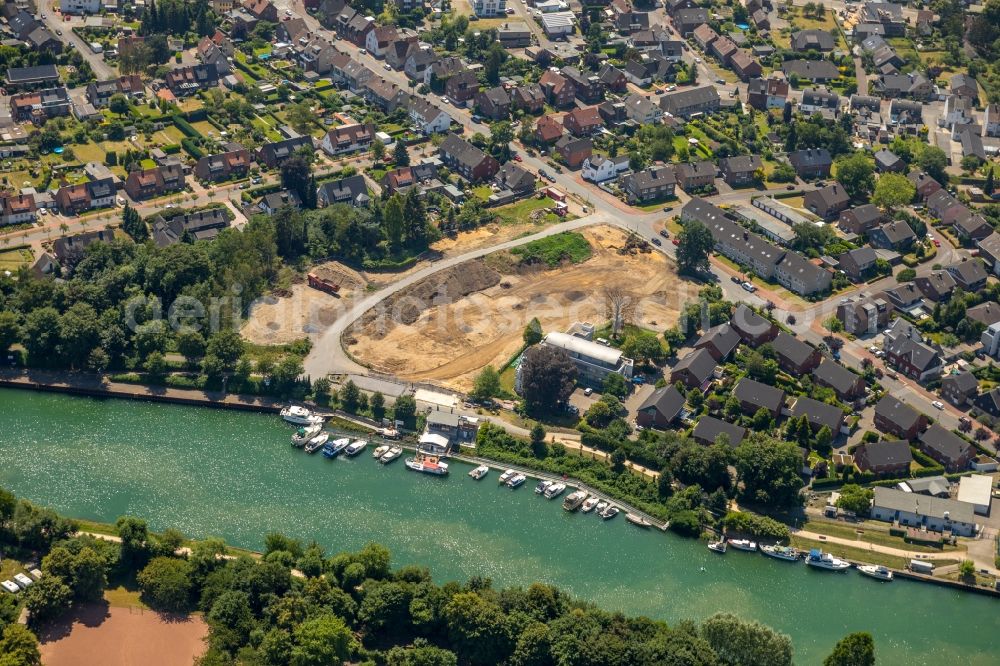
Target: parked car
x=667, y=209
x=937, y=404
x=657, y=242
x=517, y=158
x=676, y=241
x=386, y=67
x=736, y=279
x=664, y=233
x=749, y=287
x=588, y=391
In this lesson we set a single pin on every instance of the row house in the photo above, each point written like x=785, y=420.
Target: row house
x=223, y=166
x=185, y=81
x=691, y=102
x=704, y=35
x=348, y=139
x=80, y=198
x=427, y=118
x=40, y=105
x=148, y=183
x=99, y=93
x=468, y=161
x=723, y=49
x=272, y=155
x=802, y=276
x=650, y=184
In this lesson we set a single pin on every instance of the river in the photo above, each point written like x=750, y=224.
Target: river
x=219, y=473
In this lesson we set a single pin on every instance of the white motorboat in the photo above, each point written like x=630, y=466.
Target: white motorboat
x=554, y=490
x=427, y=464
x=743, y=544
x=390, y=455
x=305, y=433
x=610, y=512
x=821, y=560
x=542, y=486
x=516, y=480
x=574, y=500
x=589, y=504
x=356, y=447
x=300, y=416
x=718, y=546
x=637, y=520
x=334, y=448
x=480, y=472
x=380, y=451
x=506, y=476
x=601, y=506
x=780, y=553
x=875, y=571
x=314, y=444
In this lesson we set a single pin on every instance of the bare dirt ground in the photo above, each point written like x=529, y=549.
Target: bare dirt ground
x=277, y=320
x=99, y=635
x=434, y=331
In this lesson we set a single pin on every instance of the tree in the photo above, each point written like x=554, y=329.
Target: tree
x=191, y=345
x=855, y=498
x=548, y=377
x=405, y=408
x=989, y=186
x=166, y=583
x=48, y=598
x=739, y=642
x=643, y=346
x=857, y=649
x=494, y=58
x=478, y=629
x=40, y=336
x=291, y=232
x=967, y=569
x=400, y=156
x=615, y=384
x=892, y=191
x=532, y=332
x=89, y=575
x=620, y=306
x=350, y=394
x=227, y=346
x=118, y=104
x=19, y=647
x=487, y=384
x=824, y=440
x=10, y=330
x=300, y=117
x=296, y=176
x=321, y=640
x=768, y=472
x=377, y=405
x=933, y=160
x=694, y=245
x=378, y=151
x=133, y=225
x=134, y=535
x=394, y=222
x=856, y=172
x=537, y=436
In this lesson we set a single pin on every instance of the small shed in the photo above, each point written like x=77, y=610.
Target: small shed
x=977, y=490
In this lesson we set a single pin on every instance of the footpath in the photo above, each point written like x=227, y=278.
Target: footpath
x=877, y=548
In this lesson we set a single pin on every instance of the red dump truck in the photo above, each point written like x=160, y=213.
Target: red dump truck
x=316, y=282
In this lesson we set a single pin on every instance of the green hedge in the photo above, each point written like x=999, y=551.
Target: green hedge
x=185, y=127
x=172, y=148
x=760, y=526
x=192, y=150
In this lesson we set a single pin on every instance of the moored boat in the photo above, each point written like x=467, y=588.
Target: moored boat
x=516, y=480
x=300, y=416
x=380, y=451
x=356, y=447
x=336, y=446
x=589, y=504
x=554, y=490
x=542, y=486
x=601, y=506
x=610, y=512
x=574, y=500
x=305, y=433
x=427, y=464
x=780, y=553
x=876, y=571
x=743, y=544
x=506, y=476
x=314, y=444
x=821, y=560
x=637, y=520
x=480, y=472
x=390, y=455
x=327, y=450
x=718, y=546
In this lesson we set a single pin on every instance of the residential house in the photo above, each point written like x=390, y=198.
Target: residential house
x=574, y=151
x=885, y=458
x=529, y=97
x=99, y=93
x=811, y=163
x=79, y=198
x=753, y=328
x=378, y=40
x=483, y=8
x=894, y=417
x=827, y=202
x=823, y=102
x=906, y=112
x=273, y=202
x=197, y=226
x=754, y=396
x=947, y=448
x=587, y=87
x=514, y=35
x=770, y=93
x=598, y=168
x=548, y=130
x=695, y=175
x=223, y=166
x=516, y=179
x=148, y=183
x=740, y=245
x=936, y=286
x=386, y=96
x=863, y=316
x=860, y=219
x=896, y=235
x=922, y=512
x=559, y=90
x=650, y=184
x=991, y=120
x=687, y=20
x=887, y=161
x=960, y=389
x=494, y=103
x=403, y=178
x=794, y=356
x=972, y=227
x=708, y=430
x=17, y=208
x=969, y=274
x=418, y=62
x=642, y=110
x=348, y=139
x=583, y=121
x=847, y=385
x=745, y=66
x=426, y=117
x=351, y=190
x=37, y=76
x=262, y=10
x=69, y=249
x=463, y=86
x=691, y=102
x=964, y=86
x=887, y=15
x=926, y=186
x=913, y=358
x=987, y=313
x=694, y=370
x=989, y=250
x=661, y=408
x=858, y=263
x=741, y=170
x=819, y=414
x=801, y=275
x=905, y=296
x=812, y=40
x=818, y=71
x=442, y=69
x=273, y=154
x=612, y=78
x=40, y=105
x=185, y=81
x=914, y=86
x=468, y=161
x=720, y=341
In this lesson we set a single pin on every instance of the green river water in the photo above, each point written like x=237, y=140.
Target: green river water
x=213, y=472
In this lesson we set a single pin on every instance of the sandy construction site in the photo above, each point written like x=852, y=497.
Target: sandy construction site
x=453, y=324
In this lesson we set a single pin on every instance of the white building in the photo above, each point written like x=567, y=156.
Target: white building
x=489, y=7
x=558, y=23
x=991, y=339
x=80, y=6
x=913, y=510
x=598, y=169
x=593, y=361
x=977, y=490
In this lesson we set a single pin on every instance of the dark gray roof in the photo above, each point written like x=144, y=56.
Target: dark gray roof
x=897, y=231
x=699, y=363
x=36, y=73
x=791, y=348
x=887, y=452
x=819, y=413
x=809, y=158
x=668, y=401
x=897, y=412
x=819, y=40
x=963, y=382
x=709, y=428
x=740, y=163
x=810, y=69
x=352, y=190
x=968, y=272
x=836, y=376
x=462, y=150
x=723, y=337
x=761, y=395
x=944, y=443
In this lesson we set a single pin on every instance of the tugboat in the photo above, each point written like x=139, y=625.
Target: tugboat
x=876, y=571
x=314, y=444
x=480, y=472
x=574, y=500
x=304, y=434
x=390, y=455
x=821, y=560
x=780, y=553
x=300, y=416
x=427, y=464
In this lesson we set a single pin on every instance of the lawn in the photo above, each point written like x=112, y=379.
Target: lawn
x=267, y=126
x=553, y=250
x=205, y=128
x=655, y=205
x=520, y=212
x=851, y=553
x=482, y=192
x=191, y=104
x=167, y=136
x=871, y=533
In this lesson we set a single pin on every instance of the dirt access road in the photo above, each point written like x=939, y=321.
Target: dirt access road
x=449, y=327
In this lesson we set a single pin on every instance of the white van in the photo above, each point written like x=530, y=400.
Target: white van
x=23, y=581
x=10, y=587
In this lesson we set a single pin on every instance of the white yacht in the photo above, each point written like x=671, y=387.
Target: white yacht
x=380, y=451
x=305, y=433
x=875, y=571
x=300, y=416
x=516, y=480
x=427, y=464
x=610, y=512
x=554, y=490
x=506, y=476
x=390, y=455
x=821, y=560
x=356, y=447
x=780, y=553
x=718, y=546
x=574, y=500
x=314, y=444
x=480, y=472
x=601, y=506
x=589, y=504
x=542, y=486
x=743, y=544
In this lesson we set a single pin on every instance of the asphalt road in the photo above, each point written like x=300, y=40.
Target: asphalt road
x=55, y=22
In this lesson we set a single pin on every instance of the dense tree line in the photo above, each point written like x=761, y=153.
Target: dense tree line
x=299, y=605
